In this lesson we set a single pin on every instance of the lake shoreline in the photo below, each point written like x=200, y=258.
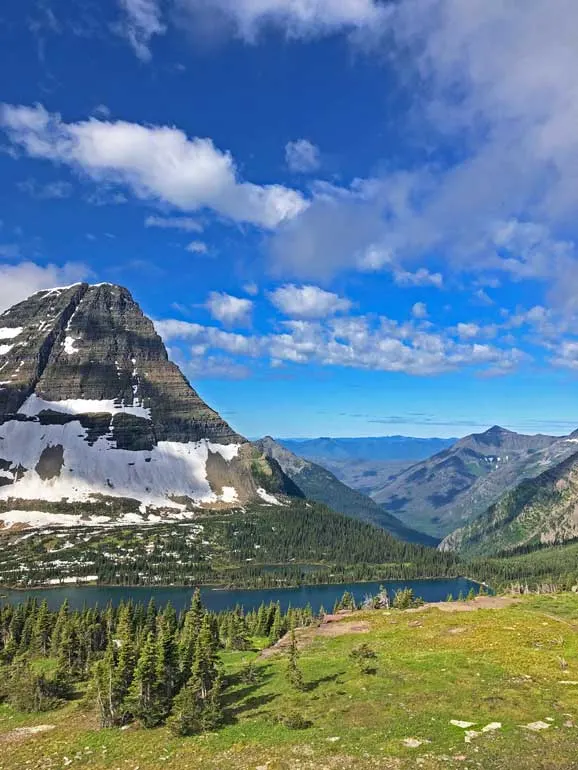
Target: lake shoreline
x=217, y=599
x=223, y=587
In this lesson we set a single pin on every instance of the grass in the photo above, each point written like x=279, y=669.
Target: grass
x=500, y=665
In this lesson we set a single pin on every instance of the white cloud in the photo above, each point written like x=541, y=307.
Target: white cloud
x=502, y=87
x=228, y=309
x=158, y=163
x=468, y=330
x=51, y=190
x=419, y=310
x=175, y=223
x=302, y=156
x=141, y=21
x=360, y=342
x=308, y=301
x=17, y=282
x=251, y=288
x=421, y=277
x=197, y=247
x=296, y=18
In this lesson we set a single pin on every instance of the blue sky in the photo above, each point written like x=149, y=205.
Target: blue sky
x=347, y=217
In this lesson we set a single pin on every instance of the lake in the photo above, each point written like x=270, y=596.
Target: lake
x=216, y=599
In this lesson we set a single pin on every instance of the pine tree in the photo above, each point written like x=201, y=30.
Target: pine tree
x=205, y=663
x=276, y=626
x=294, y=674
x=42, y=629
x=61, y=620
x=104, y=687
x=145, y=698
x=189, y=635
x=168, y=657
x=188, y=708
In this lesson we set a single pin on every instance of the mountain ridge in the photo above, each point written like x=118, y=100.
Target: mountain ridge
x=451, y=488
x=322, y=486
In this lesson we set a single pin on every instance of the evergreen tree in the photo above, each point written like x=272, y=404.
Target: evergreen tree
x=294, y=674
x=189, y=635
x=145, y=698
x=276, y=626
x=42, y=629
x=188, y=708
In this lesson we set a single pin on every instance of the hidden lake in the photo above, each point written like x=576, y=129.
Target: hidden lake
x=216, y=599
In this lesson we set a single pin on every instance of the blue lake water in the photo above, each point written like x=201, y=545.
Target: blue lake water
x=216, y=599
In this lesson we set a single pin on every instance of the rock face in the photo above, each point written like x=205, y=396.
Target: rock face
x=321, y=485
x=451, y=488
x=92, y=410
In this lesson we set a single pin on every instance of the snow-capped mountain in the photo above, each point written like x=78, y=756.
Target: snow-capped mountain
x=95, y=418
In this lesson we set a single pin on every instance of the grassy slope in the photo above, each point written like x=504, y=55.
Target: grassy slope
x=491, y=665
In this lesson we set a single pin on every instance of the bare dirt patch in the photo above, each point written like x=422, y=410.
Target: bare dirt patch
x=304, y=636
x=23, y=733
x=479, y=603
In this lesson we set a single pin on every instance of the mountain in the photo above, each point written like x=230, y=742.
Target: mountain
x=369, y=448
x=321, y=485
x=95, y=419
x=366, y=464
x=541, y=510
x=451, y=488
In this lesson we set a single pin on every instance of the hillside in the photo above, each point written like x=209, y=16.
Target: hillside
x=94, y=417
x=451, y=488
x=542, y=510
x=321, y=485
x=259, y=545
x=462, y=685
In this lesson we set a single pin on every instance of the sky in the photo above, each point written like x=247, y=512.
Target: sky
x=346, y=217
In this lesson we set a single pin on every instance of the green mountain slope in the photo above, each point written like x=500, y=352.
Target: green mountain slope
x=321, y=485
x=539, y=510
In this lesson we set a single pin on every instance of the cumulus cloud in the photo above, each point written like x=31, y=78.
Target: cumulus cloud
x=302, y=156
x=17, y=282
x=197, y=247
x=419, y=310
x=158, y=163
x=175, y=223
x=361, y=342
x=141, y=21
x=228, y=309
x=295, y=18
x=307, y=301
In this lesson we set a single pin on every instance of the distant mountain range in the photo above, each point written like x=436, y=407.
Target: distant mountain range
x=450, y=489
x=366, y=464
x=369, y=448
x=319, y=484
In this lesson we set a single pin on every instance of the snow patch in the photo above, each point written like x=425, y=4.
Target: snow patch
x=9, y=333
x=264, y=495
x=229, y=495
x=42, y=519
x=69, y=345
x=4, y=349
x=153, y=477
x=34, y=405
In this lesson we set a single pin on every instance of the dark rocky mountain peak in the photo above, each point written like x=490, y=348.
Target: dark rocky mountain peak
x=92, y=410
